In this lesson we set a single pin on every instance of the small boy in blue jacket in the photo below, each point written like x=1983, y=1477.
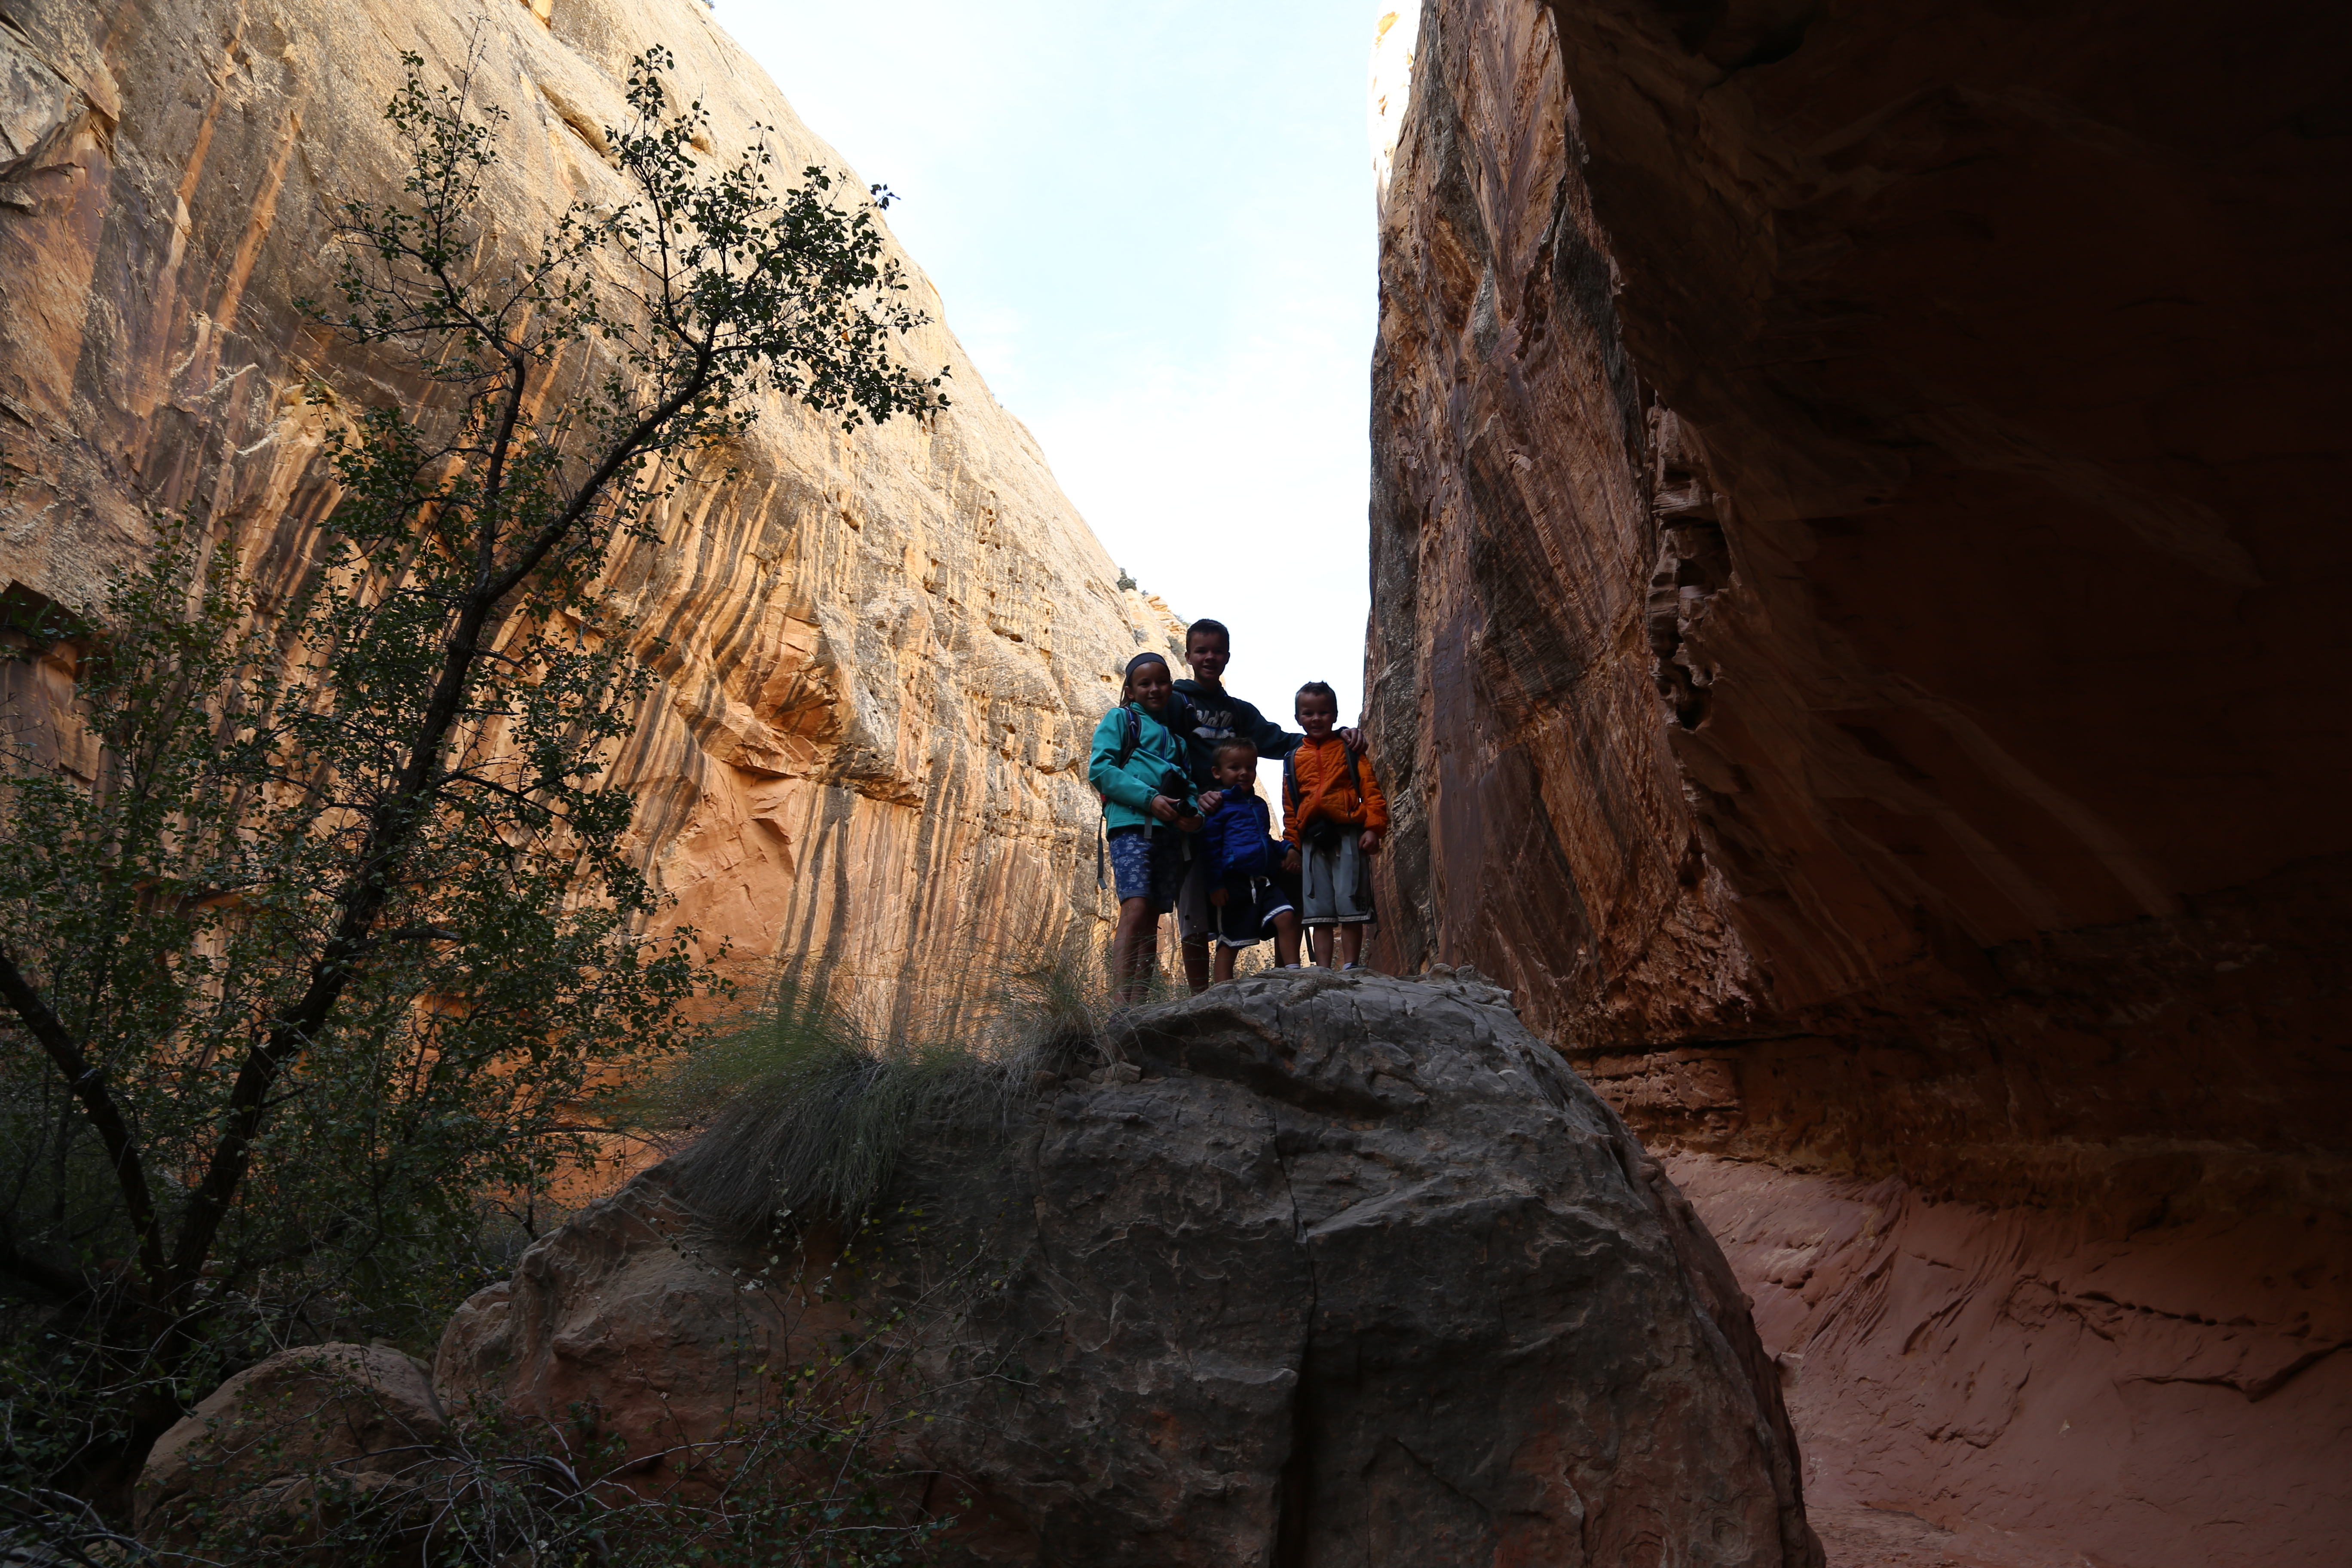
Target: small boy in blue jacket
x=1245, y=863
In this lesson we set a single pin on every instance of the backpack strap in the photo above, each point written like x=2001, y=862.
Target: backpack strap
x=1131, y=736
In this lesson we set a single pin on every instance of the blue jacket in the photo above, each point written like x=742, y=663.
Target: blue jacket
x=1214, y=715
x=1240, y=839
x=1127, y=792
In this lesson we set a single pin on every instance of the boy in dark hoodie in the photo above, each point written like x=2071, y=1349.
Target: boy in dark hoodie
x=1213, y=716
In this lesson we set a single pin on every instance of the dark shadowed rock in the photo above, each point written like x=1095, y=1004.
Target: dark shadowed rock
x=365, y=1414
x=1355, y=1272
x=1828, y=593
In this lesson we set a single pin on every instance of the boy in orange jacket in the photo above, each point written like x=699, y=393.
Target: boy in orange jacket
x=1333, y=816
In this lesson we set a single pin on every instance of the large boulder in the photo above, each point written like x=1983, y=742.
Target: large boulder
x=1336, y=1269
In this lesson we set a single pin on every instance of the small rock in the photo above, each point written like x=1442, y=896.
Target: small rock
x=297, y=1410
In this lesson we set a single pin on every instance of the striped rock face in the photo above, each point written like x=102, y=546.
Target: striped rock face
x=883, y=652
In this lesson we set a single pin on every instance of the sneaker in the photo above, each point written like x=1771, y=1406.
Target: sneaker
x=1346, y=967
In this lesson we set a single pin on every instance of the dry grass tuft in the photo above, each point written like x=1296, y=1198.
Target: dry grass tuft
x=803, y=1113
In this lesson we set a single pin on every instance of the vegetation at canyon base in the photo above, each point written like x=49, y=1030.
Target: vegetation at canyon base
x=808, y=1468
x=789, y=1124
x=319, y=932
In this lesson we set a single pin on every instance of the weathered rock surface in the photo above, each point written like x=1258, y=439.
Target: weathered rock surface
x=886, y=650
x=2180, y=1394
x=634, y=1309
x=1829, y=588
x=363, y=1413
x=1355, y=1271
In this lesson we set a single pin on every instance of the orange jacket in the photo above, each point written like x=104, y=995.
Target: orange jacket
x=1317, y=786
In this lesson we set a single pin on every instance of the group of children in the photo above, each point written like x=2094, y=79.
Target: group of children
x=1176, y=765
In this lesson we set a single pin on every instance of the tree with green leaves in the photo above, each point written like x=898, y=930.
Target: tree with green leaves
x=316, y=928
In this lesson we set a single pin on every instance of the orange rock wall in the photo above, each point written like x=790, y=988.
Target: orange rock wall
x=1830, y=597
x=885, y=652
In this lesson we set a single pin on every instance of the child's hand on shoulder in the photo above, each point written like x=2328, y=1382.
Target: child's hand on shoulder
x=1369, y=841
x=1217, y=896
x=1210, y=799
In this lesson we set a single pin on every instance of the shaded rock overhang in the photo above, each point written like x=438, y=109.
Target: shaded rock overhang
x=1854, y=538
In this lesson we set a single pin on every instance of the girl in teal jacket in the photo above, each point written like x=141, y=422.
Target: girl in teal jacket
x=1148, y=811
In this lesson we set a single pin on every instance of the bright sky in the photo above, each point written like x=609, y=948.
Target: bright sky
x=1152, y=228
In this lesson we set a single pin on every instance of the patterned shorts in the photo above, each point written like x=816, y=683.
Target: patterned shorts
x=1147, y=865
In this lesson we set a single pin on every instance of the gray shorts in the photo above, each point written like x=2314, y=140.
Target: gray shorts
x=1338, y=884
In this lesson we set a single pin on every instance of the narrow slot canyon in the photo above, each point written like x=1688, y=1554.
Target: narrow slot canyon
x=1856, y=1070
x=1830, y=590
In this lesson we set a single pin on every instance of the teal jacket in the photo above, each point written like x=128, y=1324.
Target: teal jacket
x=1127, y=792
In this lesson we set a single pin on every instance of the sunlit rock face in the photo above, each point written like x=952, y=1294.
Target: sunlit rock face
x=1388, y=89
x=884, y=652
x=1831, y=593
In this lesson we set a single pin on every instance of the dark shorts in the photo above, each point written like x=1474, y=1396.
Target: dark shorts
x=1147, y=865
x=1194, y=913
x=1246, y=917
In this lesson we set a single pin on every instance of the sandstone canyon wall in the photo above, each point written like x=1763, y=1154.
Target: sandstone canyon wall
x=885, y=651
x=1850, y=486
